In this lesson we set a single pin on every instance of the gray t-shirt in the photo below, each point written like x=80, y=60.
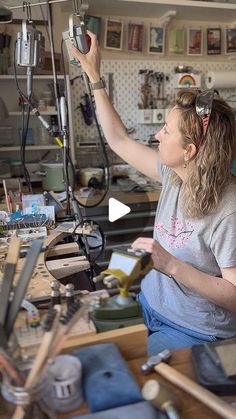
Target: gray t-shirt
x=208, y=244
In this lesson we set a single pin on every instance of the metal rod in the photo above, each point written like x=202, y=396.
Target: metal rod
x=39, y=4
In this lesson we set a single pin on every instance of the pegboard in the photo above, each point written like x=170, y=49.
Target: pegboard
x=126, y=92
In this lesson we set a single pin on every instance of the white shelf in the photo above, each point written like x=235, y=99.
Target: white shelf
x=10, y=96
x=19, y=113
x=191, y=10
x=187, y=3
x=24, y=77
x=30, y=148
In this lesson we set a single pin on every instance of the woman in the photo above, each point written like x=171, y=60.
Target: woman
x=190, y=295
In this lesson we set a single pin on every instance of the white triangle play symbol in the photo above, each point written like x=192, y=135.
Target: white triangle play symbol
x=116, y=209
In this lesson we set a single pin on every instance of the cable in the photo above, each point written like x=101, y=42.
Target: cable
x=55, y=81
x=82, y=246
x=25, y=128
x=104, y=153
x=105, y=157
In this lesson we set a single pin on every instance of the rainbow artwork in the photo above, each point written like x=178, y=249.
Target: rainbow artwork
x=188, y=80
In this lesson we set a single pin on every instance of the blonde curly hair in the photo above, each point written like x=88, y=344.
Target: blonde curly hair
x=210, y=173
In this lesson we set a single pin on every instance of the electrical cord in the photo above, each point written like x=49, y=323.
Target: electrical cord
x=91, y=260
x=103, y=146
x=25, y=128
x=105, y=156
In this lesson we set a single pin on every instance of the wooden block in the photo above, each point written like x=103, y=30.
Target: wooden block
x=63, y=249
x=227, y=355
x=68, y=266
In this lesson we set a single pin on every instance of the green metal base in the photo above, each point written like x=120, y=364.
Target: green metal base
x=114, y=316
x=104, y=325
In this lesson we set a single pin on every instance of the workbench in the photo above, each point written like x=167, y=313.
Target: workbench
x=131, y=342
x=140, y=221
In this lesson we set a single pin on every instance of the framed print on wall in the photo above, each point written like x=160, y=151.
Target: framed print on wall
x=135, y=37
x=156, y=39
x=113, y=34
x=213, y=41
x=176, y=38
x=230, y=40
x=194, y=41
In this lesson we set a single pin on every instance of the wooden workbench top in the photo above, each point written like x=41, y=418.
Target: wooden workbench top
x=131, y=342
x=125, y=197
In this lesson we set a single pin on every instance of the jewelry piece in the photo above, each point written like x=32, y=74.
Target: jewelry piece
x=100, y=84
x=185, y=164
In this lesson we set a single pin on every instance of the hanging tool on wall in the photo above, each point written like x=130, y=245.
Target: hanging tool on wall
x=86, y=110
x=146, y=89
x=159, y=79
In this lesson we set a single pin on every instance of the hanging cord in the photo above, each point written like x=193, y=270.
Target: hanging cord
x=25, y=127
x=87, y=254
x=52, y=49
x=104, y=152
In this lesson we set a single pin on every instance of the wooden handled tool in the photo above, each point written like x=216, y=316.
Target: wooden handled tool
x=8, y=276
x=212, y=401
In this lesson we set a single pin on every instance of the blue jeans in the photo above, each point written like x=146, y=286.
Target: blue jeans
x=164, y=334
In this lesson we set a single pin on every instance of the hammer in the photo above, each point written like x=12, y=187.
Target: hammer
x=162, y=397
x=203, y=395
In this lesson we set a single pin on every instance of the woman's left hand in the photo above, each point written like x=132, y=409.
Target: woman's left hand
x=162, y=260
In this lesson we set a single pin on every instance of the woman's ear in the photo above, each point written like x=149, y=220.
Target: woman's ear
x=190, y=151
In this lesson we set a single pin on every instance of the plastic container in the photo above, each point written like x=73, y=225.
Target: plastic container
x=5, y=169
x=53, y=176
x=90, y=172
x=67, y=386
x=43, y=136
x=6, y=136
x=16, y=168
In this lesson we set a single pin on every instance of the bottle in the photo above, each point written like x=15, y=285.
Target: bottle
x=43, y=135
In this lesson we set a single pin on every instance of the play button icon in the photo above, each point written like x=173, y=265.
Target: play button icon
x=116, y=210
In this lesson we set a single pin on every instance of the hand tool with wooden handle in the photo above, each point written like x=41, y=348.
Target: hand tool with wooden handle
x=8, y=276
x=200, y=393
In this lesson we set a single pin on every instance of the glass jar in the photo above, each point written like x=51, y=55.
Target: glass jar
x=36, y=401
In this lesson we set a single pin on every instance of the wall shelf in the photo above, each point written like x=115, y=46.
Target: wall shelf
x=10, y=96
x=154, y=9
x=30, y=148
x=18, y=113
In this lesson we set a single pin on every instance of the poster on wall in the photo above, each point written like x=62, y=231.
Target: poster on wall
x=230, y=40
x=176, y=38
x=156, y=39
x=135, y=37
x=194, y=41
x=213, y=41
x=113, y=34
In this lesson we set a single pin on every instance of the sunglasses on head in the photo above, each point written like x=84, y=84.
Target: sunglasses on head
x=203, y=107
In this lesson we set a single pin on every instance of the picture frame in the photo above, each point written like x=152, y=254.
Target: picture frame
x=156, y=39
x=194, y=41
x=114, y=34
x=93, y=24
x=176, y=41
x=230, y=40
x=135, y=37
x=213, y=41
